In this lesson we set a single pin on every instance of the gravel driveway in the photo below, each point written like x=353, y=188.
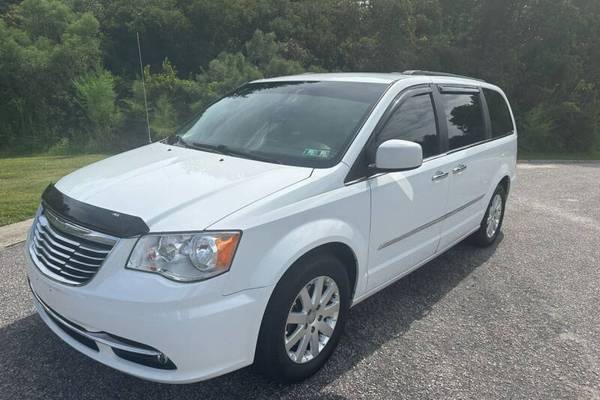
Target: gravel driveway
x=521, y=320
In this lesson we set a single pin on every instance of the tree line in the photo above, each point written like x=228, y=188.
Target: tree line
x=70, y=74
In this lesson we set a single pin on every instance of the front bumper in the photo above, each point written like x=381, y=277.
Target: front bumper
x=121, y=312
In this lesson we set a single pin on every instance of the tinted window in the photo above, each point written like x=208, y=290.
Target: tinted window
x=414, y=121
x=499, y=113
x=465, y=120
x=298, y=123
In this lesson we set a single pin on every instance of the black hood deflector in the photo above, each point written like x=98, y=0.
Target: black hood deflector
x=96, y=218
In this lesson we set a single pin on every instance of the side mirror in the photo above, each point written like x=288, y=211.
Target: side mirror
x=398, y=155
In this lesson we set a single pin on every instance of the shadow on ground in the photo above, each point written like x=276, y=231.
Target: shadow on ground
x=39, y=365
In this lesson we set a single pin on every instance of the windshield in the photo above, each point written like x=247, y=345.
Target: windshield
x=297, y=123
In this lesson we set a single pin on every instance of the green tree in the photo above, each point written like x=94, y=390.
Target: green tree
x=171, y=101
x=225, y=73
x=265, y=52
x=44, y=47
x=97, y=97
x=543, y=53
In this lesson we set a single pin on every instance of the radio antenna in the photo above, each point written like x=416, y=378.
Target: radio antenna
x=144, y=87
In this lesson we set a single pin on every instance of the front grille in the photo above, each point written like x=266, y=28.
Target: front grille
x=66, y=252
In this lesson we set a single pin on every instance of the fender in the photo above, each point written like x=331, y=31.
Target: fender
x=268, y=269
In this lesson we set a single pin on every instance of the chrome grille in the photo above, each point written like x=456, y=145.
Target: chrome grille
x=66, y=252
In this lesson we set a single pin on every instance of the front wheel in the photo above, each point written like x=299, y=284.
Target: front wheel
x=304, y=319
x=492, y=220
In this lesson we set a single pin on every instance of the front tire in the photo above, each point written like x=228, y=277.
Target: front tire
x=304, y=319
x=492, y=220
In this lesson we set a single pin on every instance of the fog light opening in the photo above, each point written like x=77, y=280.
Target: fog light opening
x=162, y=359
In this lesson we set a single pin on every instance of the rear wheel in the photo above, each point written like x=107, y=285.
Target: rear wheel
x=304, y=319
x=492, y=220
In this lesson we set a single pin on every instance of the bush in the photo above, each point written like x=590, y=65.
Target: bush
x=164, y=118
x=576, y=128
x=171, y=101
x=538, y=132
x=97, y=98
x=61, y=148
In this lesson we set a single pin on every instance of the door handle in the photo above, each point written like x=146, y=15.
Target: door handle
x=459, y=168
x=439, y=175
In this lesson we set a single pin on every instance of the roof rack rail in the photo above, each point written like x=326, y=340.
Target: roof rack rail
x=432, y=73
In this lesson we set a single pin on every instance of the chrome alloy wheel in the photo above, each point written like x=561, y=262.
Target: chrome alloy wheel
x=494, y=216
x=312, y=319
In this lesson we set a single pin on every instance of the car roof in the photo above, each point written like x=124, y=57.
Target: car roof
x=408, y=78
x=366, y=77
x=378, y=77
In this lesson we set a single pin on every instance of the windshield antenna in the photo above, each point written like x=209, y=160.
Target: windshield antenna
x=144, y=87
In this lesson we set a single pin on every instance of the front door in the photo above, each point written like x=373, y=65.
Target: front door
x=406, y=207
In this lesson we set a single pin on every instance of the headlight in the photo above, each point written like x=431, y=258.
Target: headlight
x=185, y=257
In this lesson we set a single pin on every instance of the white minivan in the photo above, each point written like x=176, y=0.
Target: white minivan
x=247, y=237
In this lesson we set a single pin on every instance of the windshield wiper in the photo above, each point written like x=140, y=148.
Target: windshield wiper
x=178, y=140
x=207, y=147
x=220, y=149
x=226, y=150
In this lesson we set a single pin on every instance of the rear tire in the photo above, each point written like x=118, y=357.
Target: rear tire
x=293, y=342
x=492, y=220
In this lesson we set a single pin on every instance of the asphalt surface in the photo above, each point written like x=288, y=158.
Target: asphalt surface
x=519, y=320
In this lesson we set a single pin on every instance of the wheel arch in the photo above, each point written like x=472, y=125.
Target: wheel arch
x=342, y=252
x=505, y=182
x=503, y=177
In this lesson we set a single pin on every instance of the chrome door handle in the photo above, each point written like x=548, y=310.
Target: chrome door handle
x=459, y=168
x=439, y=175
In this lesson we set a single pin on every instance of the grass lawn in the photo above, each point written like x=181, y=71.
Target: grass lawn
x=23, y=179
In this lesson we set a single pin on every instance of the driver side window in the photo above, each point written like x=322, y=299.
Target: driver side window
x=414, y=121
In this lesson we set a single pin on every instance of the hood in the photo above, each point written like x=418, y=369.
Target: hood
x=176, y=189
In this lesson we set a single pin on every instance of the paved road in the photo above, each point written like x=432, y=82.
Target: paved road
x=520, y=320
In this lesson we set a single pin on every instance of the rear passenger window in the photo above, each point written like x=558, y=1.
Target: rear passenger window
x=465, y=119
x=414, y=121
x=502, y=123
